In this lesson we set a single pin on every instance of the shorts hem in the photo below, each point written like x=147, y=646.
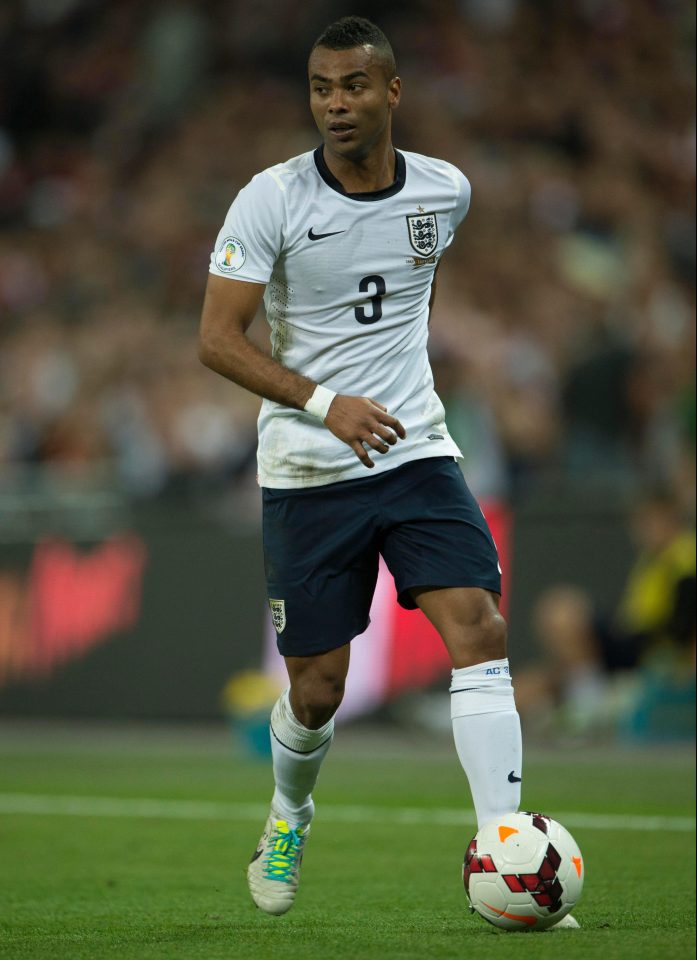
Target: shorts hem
x=310, y=650
x=405, y=600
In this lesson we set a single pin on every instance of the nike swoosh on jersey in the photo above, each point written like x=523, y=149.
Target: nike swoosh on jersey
x=311, y=235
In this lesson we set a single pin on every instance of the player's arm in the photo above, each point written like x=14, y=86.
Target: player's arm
x=228, y=310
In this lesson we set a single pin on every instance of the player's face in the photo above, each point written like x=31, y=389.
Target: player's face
x=351, y=100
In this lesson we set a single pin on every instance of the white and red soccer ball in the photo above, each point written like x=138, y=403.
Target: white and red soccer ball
x=523, y=871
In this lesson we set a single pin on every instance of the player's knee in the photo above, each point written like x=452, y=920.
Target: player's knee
x=494, y=635
x=483, y=639
x=315, y=701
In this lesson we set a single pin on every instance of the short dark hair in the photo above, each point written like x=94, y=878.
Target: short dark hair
x=352, y=32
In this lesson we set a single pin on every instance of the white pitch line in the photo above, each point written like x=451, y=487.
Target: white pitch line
x=61, y=805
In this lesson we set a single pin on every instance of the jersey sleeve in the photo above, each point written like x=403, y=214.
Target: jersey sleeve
x=462, y=202
x=250, y=240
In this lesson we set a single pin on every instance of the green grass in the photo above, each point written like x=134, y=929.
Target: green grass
x=160, y=888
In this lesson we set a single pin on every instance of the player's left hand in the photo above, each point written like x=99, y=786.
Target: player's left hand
x=361, y=421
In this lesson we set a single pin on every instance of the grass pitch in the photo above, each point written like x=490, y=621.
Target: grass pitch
x=133, y=844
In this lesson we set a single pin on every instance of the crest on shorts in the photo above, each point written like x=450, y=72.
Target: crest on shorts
x=278, y=614
x=423, y=233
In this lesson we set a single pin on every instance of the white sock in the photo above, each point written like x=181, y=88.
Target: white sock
x=486, y=728
x=297, y=756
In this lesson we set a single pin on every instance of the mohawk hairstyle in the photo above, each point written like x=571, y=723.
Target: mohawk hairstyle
x=352, y=32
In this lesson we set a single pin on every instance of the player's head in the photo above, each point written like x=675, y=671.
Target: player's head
x=353, y=86
x=352, y=32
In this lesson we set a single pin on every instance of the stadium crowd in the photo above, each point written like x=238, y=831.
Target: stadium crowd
x=563, y=338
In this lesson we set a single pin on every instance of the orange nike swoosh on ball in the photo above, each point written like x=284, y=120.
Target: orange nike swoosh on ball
x=531, y=921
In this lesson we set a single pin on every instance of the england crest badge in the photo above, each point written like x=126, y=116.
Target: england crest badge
x=278, y=614
x=423, y=233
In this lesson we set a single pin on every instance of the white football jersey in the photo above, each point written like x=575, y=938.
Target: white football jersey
x=348, y=279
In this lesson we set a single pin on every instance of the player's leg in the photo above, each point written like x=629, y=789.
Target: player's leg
x=486, y=726
x=302, y=728
x=444, y=560
x=439, y=548
x=321, y=563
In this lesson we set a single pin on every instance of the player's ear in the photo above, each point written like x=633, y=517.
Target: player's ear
x=394, y=92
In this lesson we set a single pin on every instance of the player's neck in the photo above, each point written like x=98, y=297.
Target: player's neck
x=365, y=175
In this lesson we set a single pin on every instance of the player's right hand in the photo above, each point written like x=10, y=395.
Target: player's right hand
x=361, y=422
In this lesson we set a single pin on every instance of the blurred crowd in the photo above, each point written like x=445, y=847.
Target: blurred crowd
x=630, y=670
x=563, y=334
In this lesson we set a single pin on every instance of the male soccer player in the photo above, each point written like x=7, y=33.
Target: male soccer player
x=343, y=244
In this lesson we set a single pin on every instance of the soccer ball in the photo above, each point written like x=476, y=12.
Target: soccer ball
x=523, y=871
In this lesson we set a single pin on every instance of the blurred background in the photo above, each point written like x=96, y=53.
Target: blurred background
x=563, y=345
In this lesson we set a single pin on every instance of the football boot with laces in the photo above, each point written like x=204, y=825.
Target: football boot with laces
x=273, y=873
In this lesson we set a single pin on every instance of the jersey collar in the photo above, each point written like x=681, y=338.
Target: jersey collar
x=331, y=181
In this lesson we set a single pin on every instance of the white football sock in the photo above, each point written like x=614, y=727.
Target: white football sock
x=486, y=728
x=297, y=756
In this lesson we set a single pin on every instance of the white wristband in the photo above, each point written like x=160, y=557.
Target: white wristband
x=319, y=403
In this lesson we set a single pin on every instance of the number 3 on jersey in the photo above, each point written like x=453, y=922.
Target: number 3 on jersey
x=366, y=285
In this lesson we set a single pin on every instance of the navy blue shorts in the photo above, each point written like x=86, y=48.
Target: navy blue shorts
x=321, y=548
